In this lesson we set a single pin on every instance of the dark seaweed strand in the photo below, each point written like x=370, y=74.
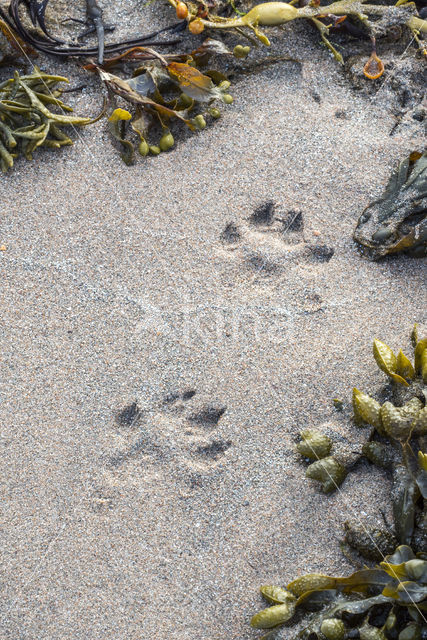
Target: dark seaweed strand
x=50, y=45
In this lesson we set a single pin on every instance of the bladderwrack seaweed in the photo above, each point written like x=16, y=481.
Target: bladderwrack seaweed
x=389, y=600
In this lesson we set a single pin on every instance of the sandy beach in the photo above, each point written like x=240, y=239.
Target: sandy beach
x=156, y=368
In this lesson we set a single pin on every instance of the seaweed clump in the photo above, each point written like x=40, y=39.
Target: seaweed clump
x=164, y=91
x=180, y=88
x=26, y=121
x=389, y=600
x=372, y=20
x=326, y=468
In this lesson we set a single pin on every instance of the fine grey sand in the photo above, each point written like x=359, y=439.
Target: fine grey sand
x=119, y=286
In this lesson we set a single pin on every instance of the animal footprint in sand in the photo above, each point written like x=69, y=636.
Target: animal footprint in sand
x=270, y=240
x=204, y=453
x=180, y=432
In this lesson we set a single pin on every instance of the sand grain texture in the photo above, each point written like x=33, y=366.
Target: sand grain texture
x=118, y=286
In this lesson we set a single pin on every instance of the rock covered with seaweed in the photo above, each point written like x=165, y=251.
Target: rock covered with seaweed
x=398, y=220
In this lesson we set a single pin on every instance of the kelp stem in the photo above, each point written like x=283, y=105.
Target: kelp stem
x=348, y=7
x=418, y=24
x=275, y=13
